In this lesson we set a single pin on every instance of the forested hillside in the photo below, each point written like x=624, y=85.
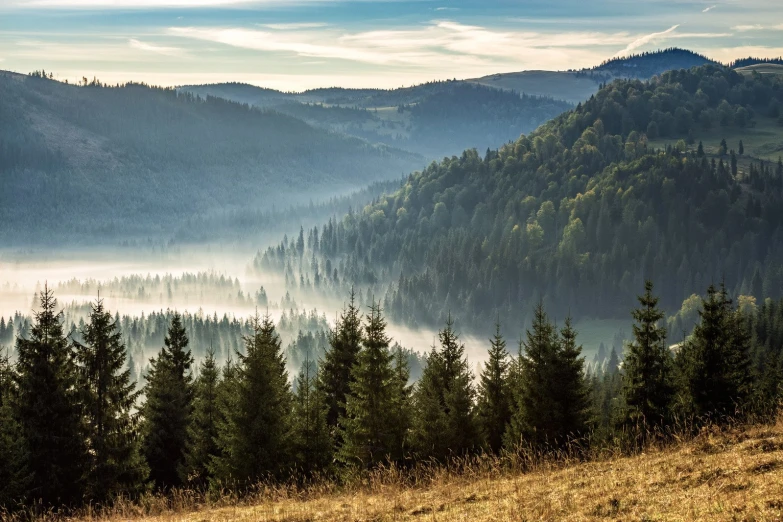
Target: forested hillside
x=125, y=159
x=435, y=119
x=578, y=213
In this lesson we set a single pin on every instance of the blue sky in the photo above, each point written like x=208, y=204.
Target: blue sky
x=295, y=45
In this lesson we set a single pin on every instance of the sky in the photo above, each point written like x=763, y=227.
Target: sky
x=293, y=45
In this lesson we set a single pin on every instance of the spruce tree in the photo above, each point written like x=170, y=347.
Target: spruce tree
x=48, y=410
x=402, y=412
x=335, y=375
x=108, y=396
x=572, y=393
x=168, y=408
x=494, y=401
x=535, y=415
x=15, y=478
x=714, y=363
x=203, y=429
x=647, y=372
x=313, y=450
x=255, y=439
x=367, y=427
x=445, y=423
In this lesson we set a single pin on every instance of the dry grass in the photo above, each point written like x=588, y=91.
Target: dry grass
x=733, y=474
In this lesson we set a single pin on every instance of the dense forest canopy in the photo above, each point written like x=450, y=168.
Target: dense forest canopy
x=578, y=213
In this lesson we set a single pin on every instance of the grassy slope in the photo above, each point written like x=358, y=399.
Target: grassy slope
x=763, y=141
x=730, y=475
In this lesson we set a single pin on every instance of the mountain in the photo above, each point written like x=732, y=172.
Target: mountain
x=577, y=214
x=102, y=160
x=646, y=65
x=435, y=119
x=578, y=86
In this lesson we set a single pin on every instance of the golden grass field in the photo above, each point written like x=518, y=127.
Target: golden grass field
x=734, y=474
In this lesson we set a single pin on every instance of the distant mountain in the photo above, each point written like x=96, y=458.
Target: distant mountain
x=100, y=161
x=578, y=86
x=646, y=65
x=435, y=119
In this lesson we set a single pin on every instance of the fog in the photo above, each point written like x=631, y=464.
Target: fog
x=212, y=282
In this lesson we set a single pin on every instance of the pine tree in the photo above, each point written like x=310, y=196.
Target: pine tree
x=494, y=401
x=335, y=376
x=535, y=415
x=108, y=396
x=313, y=450
x=445, y=423
x=168, y=408
x=647, y=379
x=48, y=409
x=367, y=432
x=572, y=393
x=15, y=479
x=255, y=439
x=203, y=429
x=714, y=363
x=402, y=412
x=700, y=150
x=741, y=148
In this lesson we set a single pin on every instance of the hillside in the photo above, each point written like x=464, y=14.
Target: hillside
x=646, y=65
x=109, y=160
x=578, y=86
x=731, y=475
x=435, y=119
x=577, y=214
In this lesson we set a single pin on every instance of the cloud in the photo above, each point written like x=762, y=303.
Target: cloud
x=708, y=9
x=289, y=27
x=129, y=4
x=646, y=39
x=142, y=46
x=744, y=28
x=440, y=43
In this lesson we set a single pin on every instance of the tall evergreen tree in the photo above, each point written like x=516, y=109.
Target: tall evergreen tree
x=47, y=407
x=445, y=422
x=168, y=408
x=15, y=478
x=313, y=449
x=108, y=396
x=494, y=400
x=335, y=375
x=255, y=440
x=647, y=373
x=714, y=363
x=402, y=411
x=572, y=393
x=203, y=430
x=367, y=429
x=535, y=416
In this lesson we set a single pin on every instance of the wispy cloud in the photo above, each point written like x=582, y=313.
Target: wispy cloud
x=290, y=27
x=745, y=28
x=708, y=9
x=437, y=44
x=646, y=39
x=132, y=4
x=142, y=46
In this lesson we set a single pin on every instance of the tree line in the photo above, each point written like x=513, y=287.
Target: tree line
x=75, y=429
x=578, y=213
